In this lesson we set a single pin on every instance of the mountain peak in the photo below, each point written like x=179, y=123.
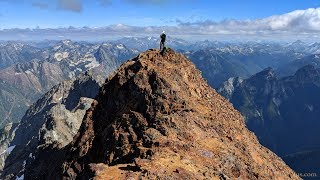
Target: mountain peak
x=307, y=73
x=266, y=74
x=156, y=117
x=298, y=42
x=66, y=41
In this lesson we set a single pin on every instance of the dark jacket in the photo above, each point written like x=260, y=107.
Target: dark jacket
x=163, y=37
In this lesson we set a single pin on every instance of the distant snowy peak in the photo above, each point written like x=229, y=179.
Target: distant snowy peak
x=149, y=42
x=33, y=71
x=67, y=42
x=82, y=57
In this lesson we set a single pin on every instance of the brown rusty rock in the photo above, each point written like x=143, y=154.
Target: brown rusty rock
x=157, y=118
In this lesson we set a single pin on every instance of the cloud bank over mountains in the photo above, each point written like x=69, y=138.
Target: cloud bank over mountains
x=299, y=24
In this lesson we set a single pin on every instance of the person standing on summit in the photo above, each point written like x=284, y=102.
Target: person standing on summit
x=163, y=40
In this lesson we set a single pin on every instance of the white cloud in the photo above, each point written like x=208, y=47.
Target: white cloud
x=297, y=21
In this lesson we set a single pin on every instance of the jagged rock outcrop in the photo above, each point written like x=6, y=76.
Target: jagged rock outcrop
x=157, y=118
x=49, y=124
x=6, y=136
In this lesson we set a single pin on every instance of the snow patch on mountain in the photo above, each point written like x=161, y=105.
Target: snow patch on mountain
x=120, y=46
x=310, y=107
x=20, y=178
x=92, y=64
x=276, y=101
x=28, y=72
x=61, y=55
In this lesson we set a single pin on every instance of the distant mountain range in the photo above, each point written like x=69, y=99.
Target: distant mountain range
x=220, y=63
x=28, y=70
x=14, y=52
x=283, y=112
x=23, y=83
x=292, y=66
x=144, y=43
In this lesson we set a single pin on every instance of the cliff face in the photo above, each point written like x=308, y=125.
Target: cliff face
x=156, y=117
x=49, y=124
x=277, y=108
x=6, y=136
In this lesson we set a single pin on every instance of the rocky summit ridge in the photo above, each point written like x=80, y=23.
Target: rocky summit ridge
x=155, y=117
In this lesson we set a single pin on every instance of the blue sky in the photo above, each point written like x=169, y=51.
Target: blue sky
x=95, y=13
x=204, y=19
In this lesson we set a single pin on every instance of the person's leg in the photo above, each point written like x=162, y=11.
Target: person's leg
x=161, y=48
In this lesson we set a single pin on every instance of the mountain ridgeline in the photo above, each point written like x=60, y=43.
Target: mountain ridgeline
x=28, y=70
x=154, y=117
x=24, y=82
x=283, y=112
